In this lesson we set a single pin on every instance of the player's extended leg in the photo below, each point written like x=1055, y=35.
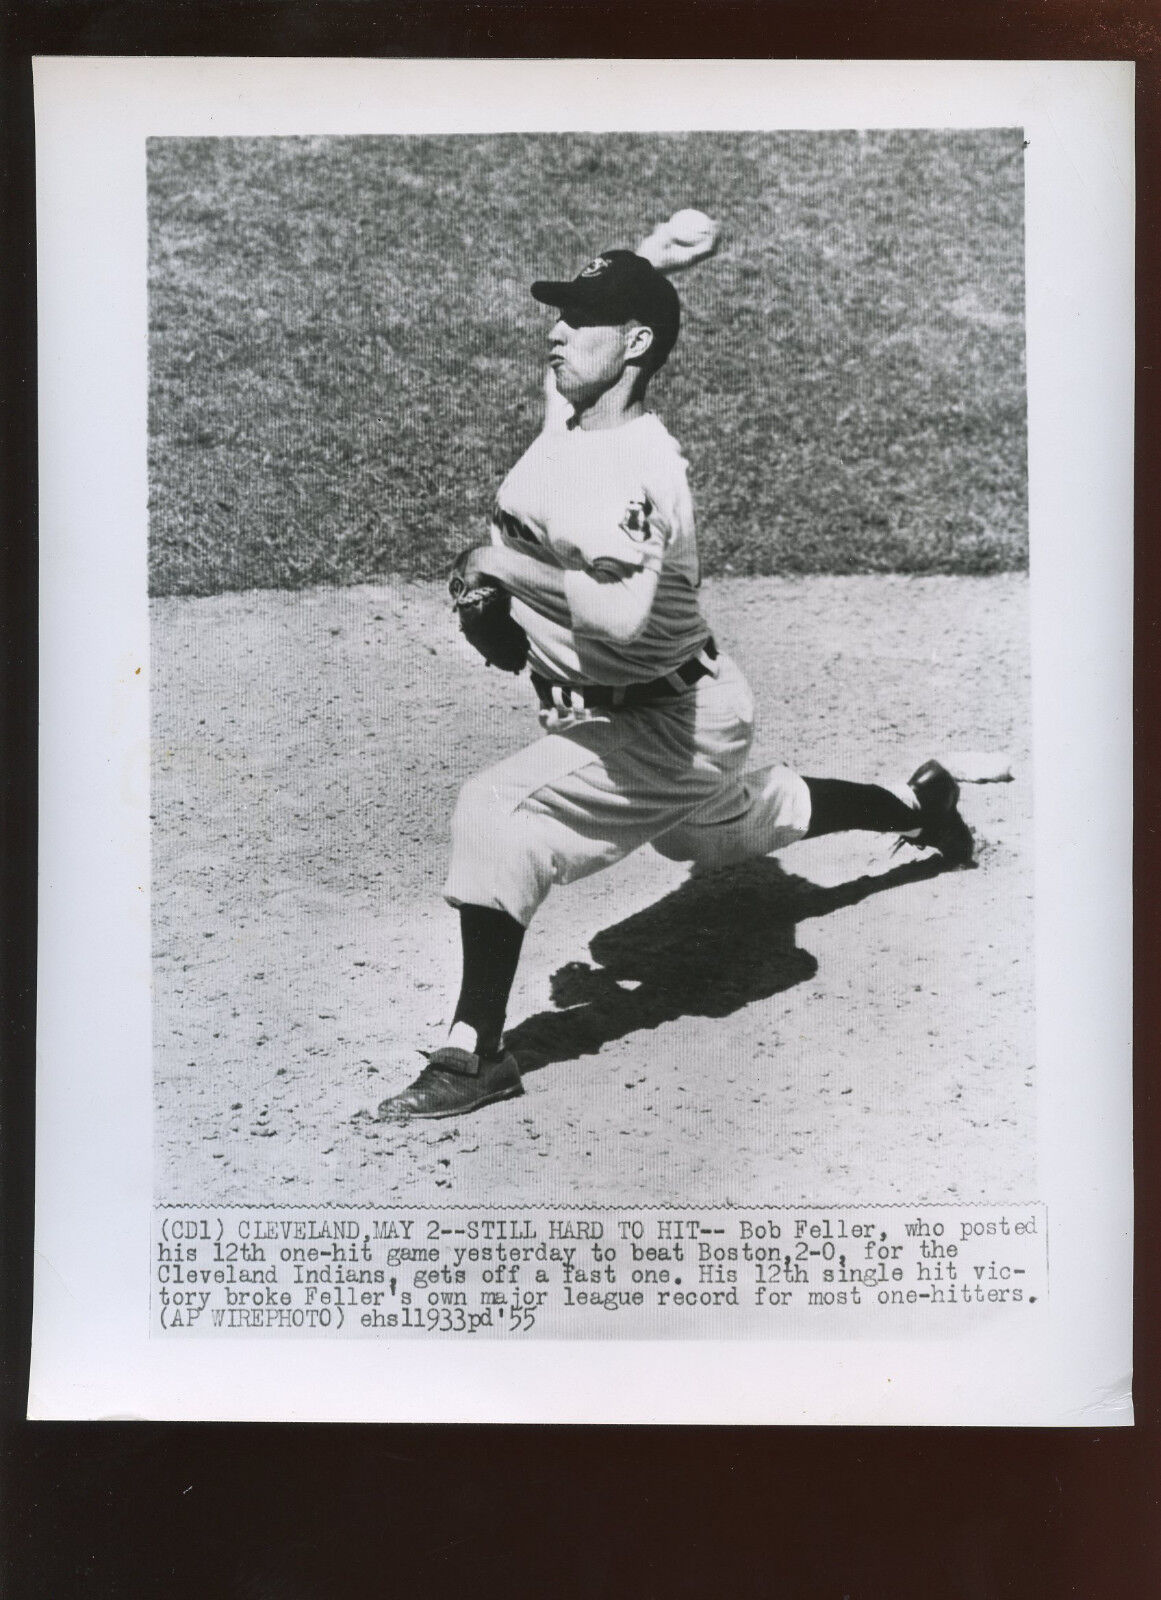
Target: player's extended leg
x=838, y=806
x=773, y=806
x=927, y=816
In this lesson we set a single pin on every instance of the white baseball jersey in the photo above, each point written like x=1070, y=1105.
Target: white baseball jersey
x=580, y=498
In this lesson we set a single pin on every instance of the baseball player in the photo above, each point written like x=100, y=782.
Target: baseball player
x=591, y=576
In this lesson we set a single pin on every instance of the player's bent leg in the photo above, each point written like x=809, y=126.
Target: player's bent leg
x=555, y=812
x=528, y=823
x=496, y=860
x=578, y=802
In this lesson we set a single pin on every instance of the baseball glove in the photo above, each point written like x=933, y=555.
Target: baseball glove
x=483, y=610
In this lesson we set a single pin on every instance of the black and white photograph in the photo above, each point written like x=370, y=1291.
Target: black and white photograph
x=716, y=888
x=601, y=811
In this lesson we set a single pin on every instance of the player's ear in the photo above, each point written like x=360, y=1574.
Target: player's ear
x=638, y=341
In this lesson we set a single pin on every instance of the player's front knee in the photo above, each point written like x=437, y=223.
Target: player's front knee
x=502, y=856
x=500, y=875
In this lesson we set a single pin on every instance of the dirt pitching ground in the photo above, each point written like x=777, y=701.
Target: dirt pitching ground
x=834, y=1025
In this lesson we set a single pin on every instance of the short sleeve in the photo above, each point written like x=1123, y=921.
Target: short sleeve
x=634, y=536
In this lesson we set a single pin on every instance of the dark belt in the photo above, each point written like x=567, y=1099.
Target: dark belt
x=588, y=696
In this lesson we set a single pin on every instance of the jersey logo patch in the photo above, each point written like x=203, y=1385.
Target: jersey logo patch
x=595, y=267
x=635, y=522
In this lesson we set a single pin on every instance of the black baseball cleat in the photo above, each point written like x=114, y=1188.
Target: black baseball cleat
x=941, y=826
x=453, y=1083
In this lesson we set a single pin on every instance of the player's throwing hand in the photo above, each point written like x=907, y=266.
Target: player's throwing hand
x=687, y=238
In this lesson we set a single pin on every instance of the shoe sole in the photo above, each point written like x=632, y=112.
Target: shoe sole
x=511, y=1092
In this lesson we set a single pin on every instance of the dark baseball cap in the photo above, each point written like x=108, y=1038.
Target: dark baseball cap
x=618, y=286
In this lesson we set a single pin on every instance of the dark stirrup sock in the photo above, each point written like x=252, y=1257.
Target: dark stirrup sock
x=491, y=942
x=836, y=805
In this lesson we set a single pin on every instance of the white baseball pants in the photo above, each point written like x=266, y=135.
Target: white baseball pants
x=670, y=775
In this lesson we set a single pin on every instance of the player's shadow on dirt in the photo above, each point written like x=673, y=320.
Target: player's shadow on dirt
x=713, y=945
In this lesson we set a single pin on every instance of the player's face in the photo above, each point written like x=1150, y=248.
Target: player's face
x=586, y=357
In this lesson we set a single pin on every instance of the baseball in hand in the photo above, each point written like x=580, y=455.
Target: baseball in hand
x=691, y=227
x=688, y=237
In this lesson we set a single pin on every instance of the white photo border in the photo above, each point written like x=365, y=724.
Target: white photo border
x=1066, y=1364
